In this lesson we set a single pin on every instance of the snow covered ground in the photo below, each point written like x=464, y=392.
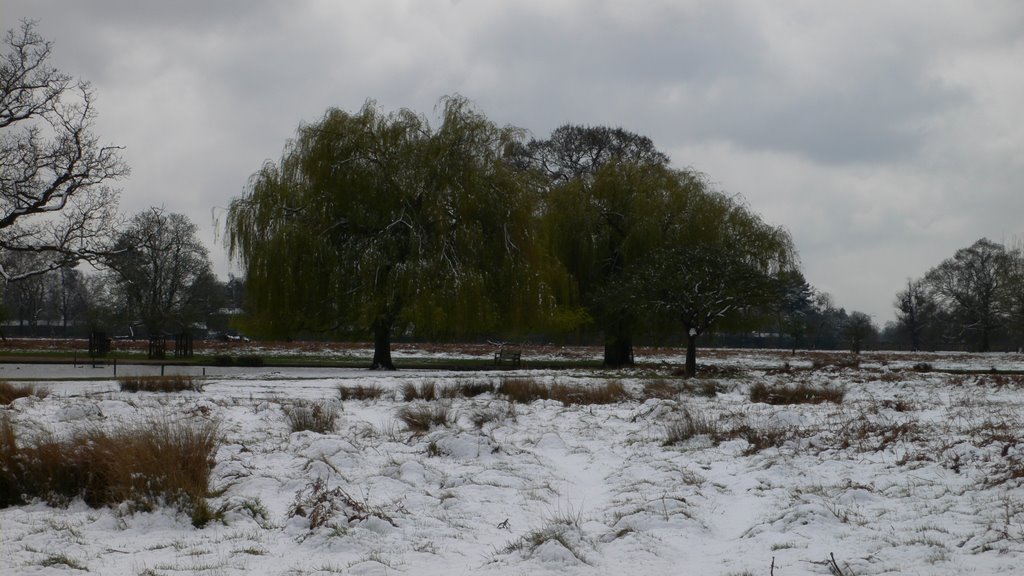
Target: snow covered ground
x=913, y=473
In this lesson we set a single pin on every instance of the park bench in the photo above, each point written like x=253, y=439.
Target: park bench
x=513, y=356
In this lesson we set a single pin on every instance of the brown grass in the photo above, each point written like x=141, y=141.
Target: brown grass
x=526, y=390
x=144, y=464
x=360, y=392
x=523, y=390
x=11, y=392
x=796, y=394
x=610, y=392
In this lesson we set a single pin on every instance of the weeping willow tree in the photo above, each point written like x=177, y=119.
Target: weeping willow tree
x=376, y=223
x=717, y=262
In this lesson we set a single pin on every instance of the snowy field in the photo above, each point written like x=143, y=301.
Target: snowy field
x=914, y=472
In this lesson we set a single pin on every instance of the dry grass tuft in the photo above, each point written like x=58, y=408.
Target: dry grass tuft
x=11, y=392
x=172, y=383
x=145, y=464
x=360, y=392
x=475, y=388
x=420, y=418
x=425, y=391
x=760, y=437
x=798, y=394
x=526, y=390
x=610, y=392
x=691, y=426
x=523, y=390
x=319, y=417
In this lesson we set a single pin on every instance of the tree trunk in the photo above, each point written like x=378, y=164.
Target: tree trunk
x=618, y=348
x=382, y=346
x=691, y=353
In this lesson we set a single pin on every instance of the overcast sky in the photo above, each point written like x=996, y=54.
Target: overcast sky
x=883, y=135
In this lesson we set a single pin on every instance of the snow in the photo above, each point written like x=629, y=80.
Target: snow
x=914, y=473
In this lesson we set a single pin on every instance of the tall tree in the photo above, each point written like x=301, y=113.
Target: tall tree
x=67, y=296
x=717, y=262
x=969, y=286
x=389, y=226
x=859, y=331
x=600, y=186
x=915, y=313
x=602, y=230
x=54, y=198
x=1012, y=294
x=792, y=306
x=162, y=268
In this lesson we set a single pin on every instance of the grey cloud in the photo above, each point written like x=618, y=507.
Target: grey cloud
x=869, y=130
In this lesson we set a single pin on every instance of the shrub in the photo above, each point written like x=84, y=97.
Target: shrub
x=144, y=464
x=523, y=390
x=360, y=392
x=319, y=417
x=798, y=394
x=11, y=392
x=420, y=418
x=172, y=383
x=223, y=360
x=319, y=504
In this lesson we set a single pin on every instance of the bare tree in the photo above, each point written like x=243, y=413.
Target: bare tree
x=1013, y=292
x=915, y=311
x=54, y=198
x=67, y=299
x=859, y=330
x=163, y=269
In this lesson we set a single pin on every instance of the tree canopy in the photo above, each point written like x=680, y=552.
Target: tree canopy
x=601, y=187
x=389, y=226
x=971, y=299
x=162, y=268
x=716, y=262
